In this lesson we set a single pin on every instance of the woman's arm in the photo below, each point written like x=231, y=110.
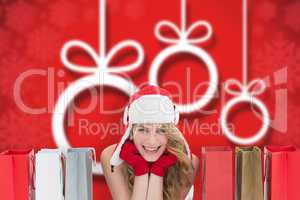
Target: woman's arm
x=140, y=187
x=157, y=173
x=155, y=189
x=116, y=181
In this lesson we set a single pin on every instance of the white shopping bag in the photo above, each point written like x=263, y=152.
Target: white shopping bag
x=79, y=175
x=49, y=178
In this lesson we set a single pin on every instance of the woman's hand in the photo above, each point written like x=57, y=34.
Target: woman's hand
x=165, y=161
x=131, y=156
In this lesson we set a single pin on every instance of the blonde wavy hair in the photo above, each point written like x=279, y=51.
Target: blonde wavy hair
x=178, y=176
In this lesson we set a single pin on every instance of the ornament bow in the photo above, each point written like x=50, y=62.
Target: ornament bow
x=102, y=61
x=253, y=88
x=183, y=36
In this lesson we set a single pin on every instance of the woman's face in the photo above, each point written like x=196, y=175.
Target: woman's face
x=150, y=140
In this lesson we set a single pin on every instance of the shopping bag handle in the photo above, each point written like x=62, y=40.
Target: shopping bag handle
x=32, y=164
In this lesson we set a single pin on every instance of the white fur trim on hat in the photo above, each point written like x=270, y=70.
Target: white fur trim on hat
x=152, y=109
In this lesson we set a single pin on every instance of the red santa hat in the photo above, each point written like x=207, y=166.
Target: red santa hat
x=151, y=104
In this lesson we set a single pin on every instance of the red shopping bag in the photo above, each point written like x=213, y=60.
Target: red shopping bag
x=218, y=173
x=282, y=173
x=16, y=172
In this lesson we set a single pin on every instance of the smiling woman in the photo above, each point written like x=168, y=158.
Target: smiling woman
x=152, y=160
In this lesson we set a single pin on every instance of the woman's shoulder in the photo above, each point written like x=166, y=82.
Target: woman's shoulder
x=107, y=153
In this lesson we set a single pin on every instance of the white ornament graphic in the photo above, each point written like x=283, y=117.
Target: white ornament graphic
x=245, y=95
x=184, y=44
x=98, y=75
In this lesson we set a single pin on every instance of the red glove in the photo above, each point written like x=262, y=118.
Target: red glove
x=131, y=156
x=165, y=161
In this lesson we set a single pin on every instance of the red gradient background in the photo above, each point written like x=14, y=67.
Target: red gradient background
x=32, y=33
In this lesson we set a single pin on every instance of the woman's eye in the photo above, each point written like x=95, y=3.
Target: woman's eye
x=161, y=131
x=142, y=130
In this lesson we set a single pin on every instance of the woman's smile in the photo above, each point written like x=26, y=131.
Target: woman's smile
x=151, y=149
x=151, y=153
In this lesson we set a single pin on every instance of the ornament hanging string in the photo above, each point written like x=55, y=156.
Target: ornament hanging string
x=246, y=92
x=245, y=87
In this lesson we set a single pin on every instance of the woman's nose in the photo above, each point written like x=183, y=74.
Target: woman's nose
x=152, y=139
